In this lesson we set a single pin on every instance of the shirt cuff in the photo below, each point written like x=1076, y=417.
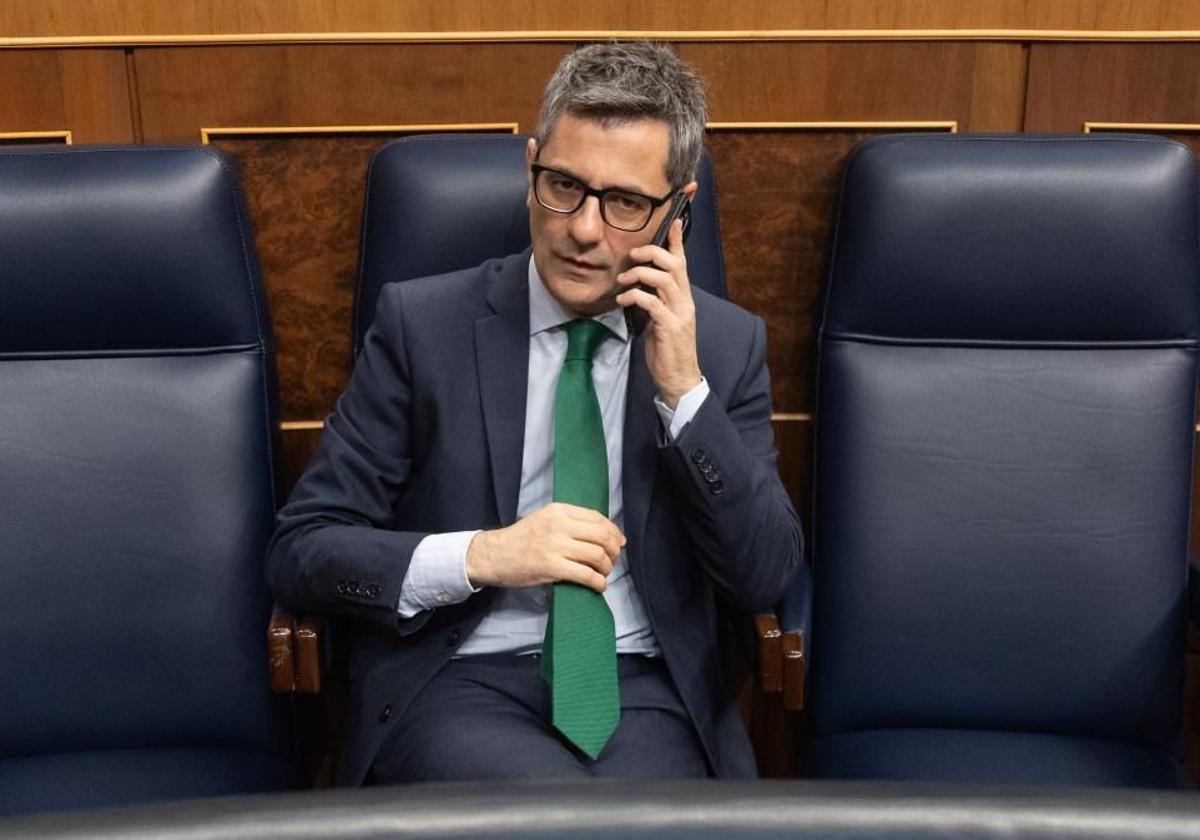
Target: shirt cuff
x=437, y=574
x=674, y=420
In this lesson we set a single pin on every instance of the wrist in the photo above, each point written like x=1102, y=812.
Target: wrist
x=672, y=396
x=479, y=559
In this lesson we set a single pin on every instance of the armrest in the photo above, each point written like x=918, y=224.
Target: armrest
x=782, y=640
x=308, y=655
x=280, y=650
x=294, y=652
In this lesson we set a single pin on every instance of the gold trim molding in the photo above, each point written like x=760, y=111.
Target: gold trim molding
x=1089, y=127
x=301, y=425
x=206, y=134
x=573, y=36
x=65, y=136
x=950, y=126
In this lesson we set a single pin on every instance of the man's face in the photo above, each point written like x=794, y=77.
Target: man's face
x=577, y=254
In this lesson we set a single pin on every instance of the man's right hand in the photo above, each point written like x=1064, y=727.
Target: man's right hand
x=559, y=543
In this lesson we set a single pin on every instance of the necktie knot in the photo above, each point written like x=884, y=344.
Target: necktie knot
x=583, y=337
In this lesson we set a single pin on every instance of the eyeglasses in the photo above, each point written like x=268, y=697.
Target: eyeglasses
x=622, y=209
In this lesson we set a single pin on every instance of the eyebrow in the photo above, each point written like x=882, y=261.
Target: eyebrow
x=618, y=187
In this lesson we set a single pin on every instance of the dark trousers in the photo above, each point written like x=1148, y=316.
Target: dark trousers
x=487, y=717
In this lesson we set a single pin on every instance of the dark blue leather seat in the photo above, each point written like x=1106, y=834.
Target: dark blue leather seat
x=1005, y=425
x=136, y=482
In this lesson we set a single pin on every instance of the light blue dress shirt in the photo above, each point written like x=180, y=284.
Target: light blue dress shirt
x=437, y=573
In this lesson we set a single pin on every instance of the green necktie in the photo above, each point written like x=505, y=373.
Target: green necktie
x=579, y=655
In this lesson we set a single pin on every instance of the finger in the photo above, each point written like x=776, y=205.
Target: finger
x=652, y=304
x=570, y=572
x=652, y=256
x=659, y=283
x=656, y=278
x=590, y=554
x=608, y=540
x=675, y=239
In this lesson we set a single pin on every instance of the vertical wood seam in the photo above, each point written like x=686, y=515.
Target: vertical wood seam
x=1026, y=57
x=135, y=96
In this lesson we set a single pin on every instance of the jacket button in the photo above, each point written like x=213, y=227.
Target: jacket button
x=341, y=587
x=716, y=488
x=699, y=457
x=386, y=713
x=452, y=639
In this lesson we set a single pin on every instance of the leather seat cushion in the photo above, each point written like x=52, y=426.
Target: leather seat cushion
x=124, y=777
x=989, y=757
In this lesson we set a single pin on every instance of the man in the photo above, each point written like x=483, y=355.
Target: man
x=508, y=449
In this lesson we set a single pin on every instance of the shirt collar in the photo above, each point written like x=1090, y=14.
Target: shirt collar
x=546, y=313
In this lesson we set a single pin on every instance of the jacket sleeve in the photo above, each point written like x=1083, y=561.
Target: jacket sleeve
x=335, y=550
x=723, y=465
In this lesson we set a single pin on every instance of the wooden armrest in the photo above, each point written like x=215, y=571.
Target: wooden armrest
x=294, y=652
x=794, y=668
x=280, y=654
x=308, y=656
x=770, y=653
x=781, y=663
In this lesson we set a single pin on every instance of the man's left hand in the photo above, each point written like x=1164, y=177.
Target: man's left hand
x=671, y=331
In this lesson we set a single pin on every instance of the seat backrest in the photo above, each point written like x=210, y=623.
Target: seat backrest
x=442, y=202
x=136, y=454
x=1007, y=386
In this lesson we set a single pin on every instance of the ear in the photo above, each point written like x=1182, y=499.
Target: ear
x=531, y=149
x=690, y=190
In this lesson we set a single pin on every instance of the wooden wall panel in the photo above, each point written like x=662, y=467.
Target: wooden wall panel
x=82, y=91
x=981, y=85
x=183, y=89
x=1073, y=83
x=148, y=17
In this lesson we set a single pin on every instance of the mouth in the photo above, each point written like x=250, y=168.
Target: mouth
x=580, y=265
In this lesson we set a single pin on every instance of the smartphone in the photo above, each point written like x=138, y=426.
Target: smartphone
x=681, y=208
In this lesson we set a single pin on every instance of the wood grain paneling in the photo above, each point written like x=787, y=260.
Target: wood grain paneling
x=183, y=89
x=305, y=200
x=1070, y=84
x=82, y=91
x=107, y=17
x=981, y=86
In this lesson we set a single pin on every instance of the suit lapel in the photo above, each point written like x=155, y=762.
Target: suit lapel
x=502, y=361
x=640, y=458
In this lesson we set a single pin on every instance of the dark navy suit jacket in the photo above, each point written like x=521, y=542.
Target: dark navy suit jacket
x=428, y=438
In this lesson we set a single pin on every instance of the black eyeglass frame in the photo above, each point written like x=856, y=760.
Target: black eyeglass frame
x=537, y=169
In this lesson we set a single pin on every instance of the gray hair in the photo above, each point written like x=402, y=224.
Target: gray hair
x=625, y=81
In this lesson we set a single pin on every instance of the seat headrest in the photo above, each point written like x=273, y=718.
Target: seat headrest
x=441, y=202
x=124, y=249
x=1025, y=238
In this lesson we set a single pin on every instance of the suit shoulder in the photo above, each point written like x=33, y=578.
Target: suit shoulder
x=716, y=315
x=461, y=293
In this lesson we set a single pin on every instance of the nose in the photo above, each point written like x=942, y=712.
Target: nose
x=587, y=225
